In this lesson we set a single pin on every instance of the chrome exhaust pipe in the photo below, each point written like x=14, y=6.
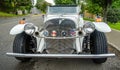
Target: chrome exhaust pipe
x=81, y=33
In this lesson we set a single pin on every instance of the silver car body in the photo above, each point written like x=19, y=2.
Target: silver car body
x=61, y=46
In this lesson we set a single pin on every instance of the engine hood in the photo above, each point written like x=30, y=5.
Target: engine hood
x=64, y=22
x=74, y=18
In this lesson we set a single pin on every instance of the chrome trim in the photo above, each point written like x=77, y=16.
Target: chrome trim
x=62, y=55
x=60, y=37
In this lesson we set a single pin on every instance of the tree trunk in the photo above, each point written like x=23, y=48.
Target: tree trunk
x=105, y=11
x=105, y=15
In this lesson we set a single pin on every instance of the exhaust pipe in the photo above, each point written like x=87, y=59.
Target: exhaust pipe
x=81, y=33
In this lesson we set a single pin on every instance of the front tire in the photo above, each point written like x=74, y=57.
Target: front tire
x=98, y=46
x=22, y=44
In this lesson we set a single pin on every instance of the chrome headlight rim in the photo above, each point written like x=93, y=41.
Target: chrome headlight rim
x=29, y=28
x=89, y=27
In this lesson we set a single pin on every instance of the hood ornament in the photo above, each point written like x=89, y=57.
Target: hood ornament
x=60, y=21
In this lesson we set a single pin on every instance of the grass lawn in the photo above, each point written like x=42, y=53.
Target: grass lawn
x=115, y=26
x=2, y=14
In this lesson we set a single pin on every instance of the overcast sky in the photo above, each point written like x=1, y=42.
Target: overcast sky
x=50, y=1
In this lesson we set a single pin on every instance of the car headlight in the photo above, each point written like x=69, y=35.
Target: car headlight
x=29, y=29
x=89, y=27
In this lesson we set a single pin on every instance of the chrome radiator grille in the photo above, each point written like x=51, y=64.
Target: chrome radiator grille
x=60, y=46
x=60, y=25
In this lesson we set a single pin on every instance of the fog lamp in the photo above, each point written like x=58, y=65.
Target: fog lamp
x=54, y=33
x=64, y=33
x=46, y=33
x=72, y=32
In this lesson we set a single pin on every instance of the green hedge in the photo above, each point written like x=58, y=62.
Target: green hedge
x=88, y=19
x=113, y=15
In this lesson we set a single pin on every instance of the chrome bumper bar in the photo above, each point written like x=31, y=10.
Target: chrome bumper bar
x=62, y=55
x=60, y=37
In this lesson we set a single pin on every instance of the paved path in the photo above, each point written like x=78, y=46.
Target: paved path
x=114, y=38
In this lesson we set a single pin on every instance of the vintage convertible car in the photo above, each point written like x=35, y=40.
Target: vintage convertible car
x=64, y=35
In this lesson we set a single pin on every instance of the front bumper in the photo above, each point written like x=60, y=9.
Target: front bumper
x=62, y=55
x=72, y=37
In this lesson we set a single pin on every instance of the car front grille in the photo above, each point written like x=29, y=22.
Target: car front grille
x=60, y=46
x=59, y=26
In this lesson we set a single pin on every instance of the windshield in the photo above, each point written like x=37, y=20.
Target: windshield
x=62, y=10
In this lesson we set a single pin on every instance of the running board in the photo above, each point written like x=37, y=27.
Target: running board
x=62, y=55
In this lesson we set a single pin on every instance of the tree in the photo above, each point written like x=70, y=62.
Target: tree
x=26, y=4
x=13, y=5
x=65, y=2
x=42, y=5
x=105, y=4
x=5, y=5
x=93, y=8
x=116, y=4
x=113, y=14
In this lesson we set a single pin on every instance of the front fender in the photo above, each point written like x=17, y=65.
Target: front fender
x=17, y=29
x=102, y=27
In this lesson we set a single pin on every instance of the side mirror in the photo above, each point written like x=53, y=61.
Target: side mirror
x=43, y=16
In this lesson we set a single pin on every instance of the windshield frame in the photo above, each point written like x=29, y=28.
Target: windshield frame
x=64, y=7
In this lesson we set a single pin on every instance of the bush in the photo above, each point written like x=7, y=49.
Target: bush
x=42, y=6
x=89, y=19
x=65, y=2
x=113, y=15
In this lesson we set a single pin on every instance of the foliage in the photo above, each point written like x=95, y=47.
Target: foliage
x=83, y=7
x=69, y=2
x=13, y=5
x=114, y=12
x=116, y=4
x=104, y=4
x=89, y=19
x=42, y=5
x=113, y=15
x=94, y=8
